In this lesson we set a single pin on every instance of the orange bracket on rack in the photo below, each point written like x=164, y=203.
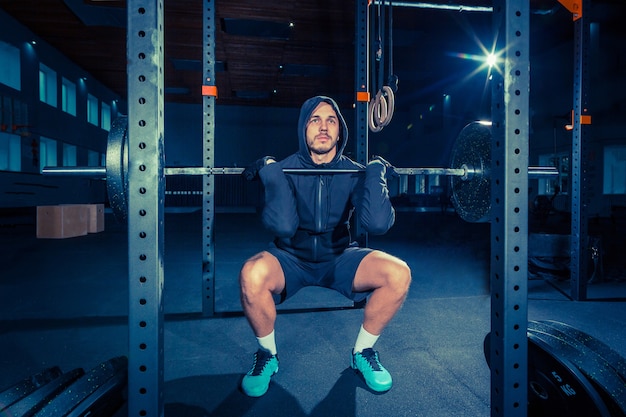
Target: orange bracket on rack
x=363, y=96
x=574, y=6
x=209, y=90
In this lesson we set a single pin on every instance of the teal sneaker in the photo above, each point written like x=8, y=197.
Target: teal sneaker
x=375, y=375
x=256, y=382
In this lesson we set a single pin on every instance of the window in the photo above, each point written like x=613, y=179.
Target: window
x=47, y=85
x=614, y=169
x=93, y=158
x=105, y=119
x=69, y=155
x=10, y=68
x=47, y=152
x=92, y=109
x=10, y=152
x=68, y=96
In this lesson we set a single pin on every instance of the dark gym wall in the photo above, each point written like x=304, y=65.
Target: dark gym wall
x=242, y=134
x=28, y=188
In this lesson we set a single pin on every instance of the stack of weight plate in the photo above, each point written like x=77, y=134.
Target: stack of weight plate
x=99, y=392
x=570, y=373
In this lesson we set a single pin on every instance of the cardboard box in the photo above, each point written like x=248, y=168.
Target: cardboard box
x=60, y=222
x=96, y=218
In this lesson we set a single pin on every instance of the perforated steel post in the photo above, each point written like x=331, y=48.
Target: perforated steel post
x=579, y=252
x=209, y=92
x=509, y=205
x=361, y=77
x=146, y=192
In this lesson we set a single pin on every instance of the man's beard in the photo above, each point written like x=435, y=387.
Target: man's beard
x=324, y=151
x=320, y=149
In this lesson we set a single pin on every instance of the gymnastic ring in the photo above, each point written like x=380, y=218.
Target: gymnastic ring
x=377, y=112
x=390, y=104
x=381, y=109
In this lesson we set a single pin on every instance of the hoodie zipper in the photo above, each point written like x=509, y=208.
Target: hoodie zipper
x=318, y=211
x=318, y=216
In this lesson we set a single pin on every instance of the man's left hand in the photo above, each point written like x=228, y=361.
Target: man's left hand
x=390, y=169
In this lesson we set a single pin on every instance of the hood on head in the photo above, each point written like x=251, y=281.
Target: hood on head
x=305, y=114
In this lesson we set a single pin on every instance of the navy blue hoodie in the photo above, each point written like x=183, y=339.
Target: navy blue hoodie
x=309, y=215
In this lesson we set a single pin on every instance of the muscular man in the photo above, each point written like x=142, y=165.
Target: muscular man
x=309, y=216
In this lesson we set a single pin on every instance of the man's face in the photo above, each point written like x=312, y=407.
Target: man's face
x=322, y=133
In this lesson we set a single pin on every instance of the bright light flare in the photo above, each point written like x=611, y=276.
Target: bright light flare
x=487, y=60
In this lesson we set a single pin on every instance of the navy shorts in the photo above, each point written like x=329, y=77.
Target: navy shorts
x=337, y=274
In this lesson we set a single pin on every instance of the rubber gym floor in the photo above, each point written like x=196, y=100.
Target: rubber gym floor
x=64, y=302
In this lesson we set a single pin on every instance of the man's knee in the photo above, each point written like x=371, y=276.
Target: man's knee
x=253, y=272
x=383, y=270
x=399, y=276
x=258, y=274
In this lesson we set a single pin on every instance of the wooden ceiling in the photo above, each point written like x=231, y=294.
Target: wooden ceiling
x=316, y=55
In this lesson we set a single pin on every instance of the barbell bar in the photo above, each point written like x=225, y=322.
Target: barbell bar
x=469, y=171
x=100, y=172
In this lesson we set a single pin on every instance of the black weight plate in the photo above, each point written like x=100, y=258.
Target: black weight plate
x=556, y=388
x=471, y=196
x=609, y=385
x=82, y=389
x=614, y=359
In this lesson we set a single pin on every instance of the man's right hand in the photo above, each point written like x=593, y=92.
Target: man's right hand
x=252, y=171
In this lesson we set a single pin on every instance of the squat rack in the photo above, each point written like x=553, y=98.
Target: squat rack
x=509, y=227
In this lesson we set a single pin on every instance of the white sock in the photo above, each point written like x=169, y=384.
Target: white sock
x=364, y=340
x=268, y=343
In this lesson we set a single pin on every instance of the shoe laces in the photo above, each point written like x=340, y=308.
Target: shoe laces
x=261, y=359
x=371, y=356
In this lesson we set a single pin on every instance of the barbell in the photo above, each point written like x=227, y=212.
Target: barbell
x=469, y=171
